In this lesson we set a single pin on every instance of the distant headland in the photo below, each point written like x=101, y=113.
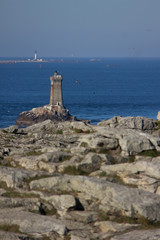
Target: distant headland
x=37, y=59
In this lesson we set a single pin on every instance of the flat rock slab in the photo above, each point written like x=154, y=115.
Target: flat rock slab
x=13, y=236
x=108, y=226
x=14, y=177
x=131, y=141
x=149, y=168
x=31, y=223
x=139, y=123
x=31, y=204
x=113, y=197
x=153, y=234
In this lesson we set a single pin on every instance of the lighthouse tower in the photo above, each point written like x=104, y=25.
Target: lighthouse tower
x=56, y=90
x=35, y=55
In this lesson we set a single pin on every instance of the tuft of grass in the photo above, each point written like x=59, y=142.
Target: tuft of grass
x=27, y=181
x=66, y=158
x=10, y=228
x=77, y=130
x=103, y=174
x=114, y=178
x=102, y=216
x=84, y=144
x=103, y=151
x=59, y=132
x=13, y=194
x=150, y=153
x=119, y=218
x=33, y=153
x=72, y=170
x=4, y=131
x=94, y=150
x=4, y=186
x=158, y=125
x=131, y=159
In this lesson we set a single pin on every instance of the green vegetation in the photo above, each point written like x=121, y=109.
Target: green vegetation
x=33, y=153
x=77, y=130
x=6, y=162
x=10, y=228
x=103, y=151
x=4, y=186
x=28, y=180
x=4, y=131
x=102, y=216
x=66, y=158
x=158, y=123
x=131, y=159
x=103, y=174
x=114, y=178
x=72, y=170
x=150, y=153
x=118, y=218
x=84, y=144
x=13, y=194
x=59, y=132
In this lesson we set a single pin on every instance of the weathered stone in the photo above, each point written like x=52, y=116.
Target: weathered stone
x=95, y=141
x=49, y=167
x=90, y=163
x=130, y=141
x=79, y=125
x=30, y=204
x=13, y=236
x=12, y=129
x=148, y=168
x=47, y=148
x=82, y=216
x=107, y=226
x=113, y=197
x=15, y=177
x=41, y=114
x=138, y=123
x=158, y=116
x=62, y=202
x=79, y=235
x=152, y=234
x=79, y=230
x=54, y=157
x=141, y=181
x=28, y=223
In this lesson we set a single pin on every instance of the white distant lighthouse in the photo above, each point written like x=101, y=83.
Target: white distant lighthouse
x=35, y=55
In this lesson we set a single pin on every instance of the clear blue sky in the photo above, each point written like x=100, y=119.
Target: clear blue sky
x=80, y=28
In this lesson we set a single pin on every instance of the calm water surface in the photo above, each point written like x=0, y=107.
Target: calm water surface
x=91, y=90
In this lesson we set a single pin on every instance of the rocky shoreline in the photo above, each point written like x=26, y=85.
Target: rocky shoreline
x=71, y=180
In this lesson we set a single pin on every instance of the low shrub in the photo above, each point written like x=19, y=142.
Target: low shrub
x=72, y=170
x=150, y=153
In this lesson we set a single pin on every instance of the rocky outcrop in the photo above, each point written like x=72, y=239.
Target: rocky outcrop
x=36, y=115
x=138, y=123
x=141, y=235
x=28, y=223
x=72, y=180
x=112, y=197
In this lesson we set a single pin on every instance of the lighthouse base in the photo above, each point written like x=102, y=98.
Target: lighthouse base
x=36, y=115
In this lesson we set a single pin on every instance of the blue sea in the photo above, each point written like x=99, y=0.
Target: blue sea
x=93, y=90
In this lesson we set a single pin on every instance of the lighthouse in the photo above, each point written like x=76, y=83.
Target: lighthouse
x=35, y=55
x=56, y=90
